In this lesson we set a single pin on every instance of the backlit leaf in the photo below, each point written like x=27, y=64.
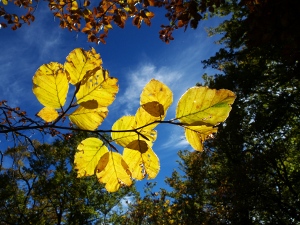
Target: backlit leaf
x=88, y=119
x=204, y=106
x=154, y=108
x=124, y=138
x=156, y=98
x=142, y=163
x=196, y=135
x=48, y=114
x=132, y=138
x=89, y=153
x=97, y=90
x=139, y=145
x=113, y=171
x=147, y=122
x=79, y=62
x=50, y=85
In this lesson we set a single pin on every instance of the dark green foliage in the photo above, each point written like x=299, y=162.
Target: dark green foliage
x=257, y=147
x=41, y=188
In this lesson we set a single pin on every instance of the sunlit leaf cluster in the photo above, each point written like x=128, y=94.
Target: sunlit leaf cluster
x=198, y=111
x=94, y=89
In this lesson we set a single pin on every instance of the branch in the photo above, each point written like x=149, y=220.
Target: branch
x=46, y=125
x=1, y=160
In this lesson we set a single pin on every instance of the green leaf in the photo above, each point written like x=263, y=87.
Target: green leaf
x=204, y=106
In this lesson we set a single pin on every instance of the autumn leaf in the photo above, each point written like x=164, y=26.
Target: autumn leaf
x=50, y=85
x=142, y=163
x=124, y=123
x=128, y=139
x=107, y=27
x=113, y=171
x=146, y=122
x=131, y=7
x=156, y=98
x=204, y=106
x=200, y=109
x=196, y=135
x=48, y=114
x=88, y=119
x=150, y=15
x=72, y=6
x=80, y=62
x=89, y=153
x=97, y=90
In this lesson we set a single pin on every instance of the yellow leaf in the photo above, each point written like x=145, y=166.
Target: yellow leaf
x=124, y=138
x=132, y=139
x=5, y=2
x=74, y=5
x=154, y=108
x=97, y=90
x=142, y=163
x=48, y=114
x=80, y=62
x=156, y=98
x=150, y=15
x=204, y=106
x=107, y=27
x=113, y=171
x=147, y=122
x=139, y=145
x=89, y=153
x=88, y=119
x=196, y=135
x=50, y=85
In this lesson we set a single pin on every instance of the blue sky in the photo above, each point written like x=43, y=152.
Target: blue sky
x=132, y=55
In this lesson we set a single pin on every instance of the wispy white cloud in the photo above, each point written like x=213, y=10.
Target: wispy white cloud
x=137, y=79
x=14, y=81
x=180, y=143
x=173, y=138
x=45, y=37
